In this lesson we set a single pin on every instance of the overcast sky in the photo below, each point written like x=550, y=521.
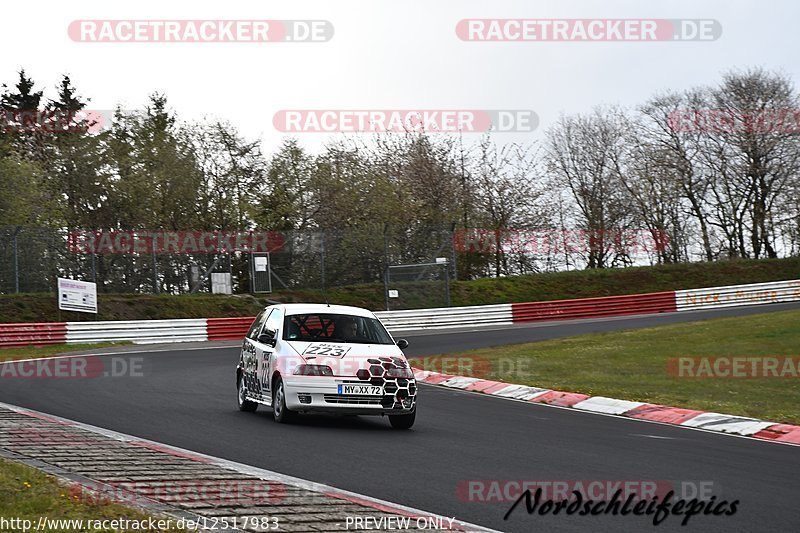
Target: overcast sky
x=390, y=55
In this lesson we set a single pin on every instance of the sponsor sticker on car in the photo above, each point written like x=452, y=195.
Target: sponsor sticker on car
x=326, y=349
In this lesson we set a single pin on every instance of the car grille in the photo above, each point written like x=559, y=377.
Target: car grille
x=352, y=399
x=399, y=393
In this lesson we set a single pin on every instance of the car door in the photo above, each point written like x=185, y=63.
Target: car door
x=266, y=345
x=250, y=354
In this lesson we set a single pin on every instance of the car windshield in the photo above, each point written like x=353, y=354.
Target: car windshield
x=328, y=327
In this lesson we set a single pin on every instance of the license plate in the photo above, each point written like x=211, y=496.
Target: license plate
x=361, y=390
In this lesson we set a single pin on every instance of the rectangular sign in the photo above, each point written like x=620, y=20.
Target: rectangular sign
x=74, y=295
x=221, y=283
x=260, y=275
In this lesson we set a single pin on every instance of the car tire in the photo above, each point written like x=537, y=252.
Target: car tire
x=241, y=394
x=280, y=412
x=403, y=421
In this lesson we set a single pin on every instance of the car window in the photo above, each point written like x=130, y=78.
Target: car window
x=274, y=321
x=258, y=323
x=329, y=327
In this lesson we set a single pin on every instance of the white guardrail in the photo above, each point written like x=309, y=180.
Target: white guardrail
x=154, y=331
x=138, y=331
x=446, y=317
x=738, y=295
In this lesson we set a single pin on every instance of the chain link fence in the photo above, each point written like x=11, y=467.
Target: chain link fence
x=418, y=285
x=402, y=259
x=32, y=258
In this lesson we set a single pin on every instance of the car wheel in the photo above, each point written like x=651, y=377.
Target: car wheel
x=244, y=404
x=403, y=421
x=280, y=412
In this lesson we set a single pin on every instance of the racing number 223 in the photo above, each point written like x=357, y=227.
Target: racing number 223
x=335, y=351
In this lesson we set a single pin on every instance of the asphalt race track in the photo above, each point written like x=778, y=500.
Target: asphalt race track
x=186, y=398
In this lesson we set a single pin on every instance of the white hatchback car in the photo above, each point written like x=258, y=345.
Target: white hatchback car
x=325, y=358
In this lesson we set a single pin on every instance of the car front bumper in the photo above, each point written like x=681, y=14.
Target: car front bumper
x=321, y=394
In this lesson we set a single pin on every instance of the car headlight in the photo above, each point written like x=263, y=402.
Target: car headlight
x=406, y=373
x=313, y=370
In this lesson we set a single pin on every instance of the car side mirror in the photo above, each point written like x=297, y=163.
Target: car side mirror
x=402, y=344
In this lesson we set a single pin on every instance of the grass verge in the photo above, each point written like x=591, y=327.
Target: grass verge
x=633, y=365
x=27, y=494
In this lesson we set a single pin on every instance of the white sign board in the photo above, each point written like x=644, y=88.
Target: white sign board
x=74, y=295
x=261, y=264
x=394, y=294
x=221, y=283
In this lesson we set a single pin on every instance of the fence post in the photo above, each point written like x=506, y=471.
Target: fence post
x=453, y=251
x=386, y=265
x=447, y=285
x=252, y=268
x=323, y=261
x=16, y=262
x=155, y=264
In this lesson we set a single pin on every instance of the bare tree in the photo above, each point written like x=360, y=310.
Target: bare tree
x=507, y=180
x=655, y=198
x=585, y=152
x=764, y=156
x=674, y=145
